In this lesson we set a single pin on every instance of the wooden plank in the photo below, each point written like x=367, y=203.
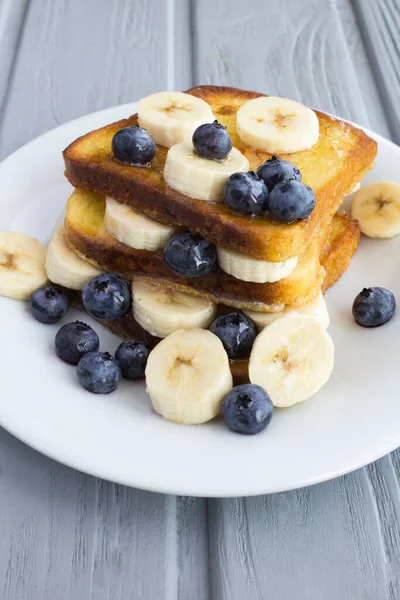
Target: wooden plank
x=12, y=15
x=192, y=556
x=364, y=86
x=380, y=25
x=71, y=63
x=293, y=49
x=384, y=478
x=181, y=39
x=317, y=543
x=67, y=535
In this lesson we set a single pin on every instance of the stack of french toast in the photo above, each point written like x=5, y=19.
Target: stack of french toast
x=195, y=238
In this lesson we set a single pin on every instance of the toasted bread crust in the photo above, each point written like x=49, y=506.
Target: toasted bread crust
x=343, y=243
x=87, y=236
x=332, y=167
x=344, y=237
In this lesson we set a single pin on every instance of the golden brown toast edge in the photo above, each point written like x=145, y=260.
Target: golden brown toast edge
x=87, y=236
x=89, y=165
x=343, y=242
x=342, y=245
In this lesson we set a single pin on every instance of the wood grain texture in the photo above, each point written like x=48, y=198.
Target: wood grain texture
x=321, y=542
x=380, y=24
x=192, y=558
x=67, y=535
x=302, y=50
x=384, y=484
x=77, y=57
x=365, y=87
x=12, y=18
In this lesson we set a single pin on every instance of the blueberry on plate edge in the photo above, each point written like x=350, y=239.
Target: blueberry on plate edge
x=48, y=304
x=248, y=409
x=99, y=372
x=373, y=307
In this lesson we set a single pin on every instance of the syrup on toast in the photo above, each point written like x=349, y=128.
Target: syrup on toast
x=87, y=236
x=332, y=167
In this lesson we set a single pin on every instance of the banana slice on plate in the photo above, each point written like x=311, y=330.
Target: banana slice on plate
x=377, y=208
x=172, y=117
x=188, y=376
x=277, y=125
x=64, y=266
x=250, y=269
x=292, y=359
x=161, y=311
x=132, y=228
x=198, y=177
x=22, y=265
x=316, y=309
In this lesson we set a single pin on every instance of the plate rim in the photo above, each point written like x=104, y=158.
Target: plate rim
x=141, y=482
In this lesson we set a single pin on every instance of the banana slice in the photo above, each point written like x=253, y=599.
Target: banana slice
x=199, y=177
x=377, y=208
x=132, y=228
x=188, y=376
x=22, y=265
x=316, y=309
x=292, y=359
x=162, y=311
x=64, y=266
x=277, y=125
x=250, y=269
x=172, y=117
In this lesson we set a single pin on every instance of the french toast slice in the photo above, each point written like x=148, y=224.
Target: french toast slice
x=342, y=243
x=87, y=236
x=332, y=167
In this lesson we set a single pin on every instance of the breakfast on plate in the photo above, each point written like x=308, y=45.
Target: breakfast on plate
x=204, y=231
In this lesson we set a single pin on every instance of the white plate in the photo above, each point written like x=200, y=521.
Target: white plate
x=354, y=420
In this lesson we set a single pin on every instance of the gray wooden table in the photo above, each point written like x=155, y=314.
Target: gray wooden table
x=65, y=535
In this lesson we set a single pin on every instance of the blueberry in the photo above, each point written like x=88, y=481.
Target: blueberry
x=74, y=340
x=237, y=333
x=48, y=304
x=212, y=140
x=290, y=201
x=373, y=307
x=132, y=357
x=246, y=193
x=107, y=296
x=189, y=254
x=99, y=372
x=275, y=170
x=247, y=409
x=133, y=145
